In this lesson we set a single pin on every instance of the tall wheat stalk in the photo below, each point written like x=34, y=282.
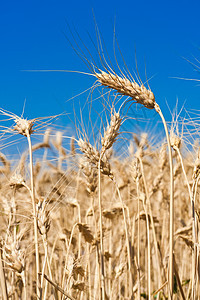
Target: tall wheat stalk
x=137, y=175
x=25, y=128
x=2, y=278
x=34, y=212
x=195, y=177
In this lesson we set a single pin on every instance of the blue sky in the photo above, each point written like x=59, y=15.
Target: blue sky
x=33, y=36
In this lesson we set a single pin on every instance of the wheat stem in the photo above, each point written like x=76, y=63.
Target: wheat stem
x=171, y=231
x=148, y=232
x=67, y=255
x=194, y=256
x=152, y=221
x=127, y=239
x=43, y=268
x=138, y=238
x=183, y=168
x=46, y=259
x=34, y=214
x=192, y=199
x=102, y=280
x=2, y=278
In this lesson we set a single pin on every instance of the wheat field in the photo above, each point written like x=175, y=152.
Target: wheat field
x=89, y=223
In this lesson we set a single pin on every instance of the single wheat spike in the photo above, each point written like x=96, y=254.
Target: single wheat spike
x=184, y=230
x=37, y=169
x=78, y=285
x=72, y=147
x=72, y=201
x=143, y=216
x=22, y=164
x=141, y=143
x=177, y=170
x=119, y=270
x=112, y=213
x=47, y=136
x=94, y=157
x=84, y=229
x=124, y=86
x=91, y=153
x=59, y=139
x=162, y=158
x=111, y=133
x=43, y=221
x=6, y=205
x=24, y=126
x=156, y=183
x=90, y=175
x=17, y=181
x=6, y=164
x=13, y=255
x=135, y=170
x=196, y=170
x=58, y=143
x=189, y=242
x=14, y=261
x=175, y=141
x=107, y=255
x=40, y=146
x=77, y=269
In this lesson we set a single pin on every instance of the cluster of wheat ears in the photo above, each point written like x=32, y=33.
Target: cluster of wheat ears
x=91, y=225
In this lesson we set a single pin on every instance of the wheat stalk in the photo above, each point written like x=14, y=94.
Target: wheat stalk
x=2, y=277
x=25, y=128
x=139, y=94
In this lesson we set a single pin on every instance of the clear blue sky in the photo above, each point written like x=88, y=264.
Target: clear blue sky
x=32, y=36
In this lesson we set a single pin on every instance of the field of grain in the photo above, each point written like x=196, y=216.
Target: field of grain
x=92, y=223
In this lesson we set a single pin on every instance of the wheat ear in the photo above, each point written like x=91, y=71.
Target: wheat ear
x=95, y=158
x=124, y=86
x=111, y=132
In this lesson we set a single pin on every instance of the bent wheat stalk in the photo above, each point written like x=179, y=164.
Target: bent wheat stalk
x=141, y=95
x=171, y=230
